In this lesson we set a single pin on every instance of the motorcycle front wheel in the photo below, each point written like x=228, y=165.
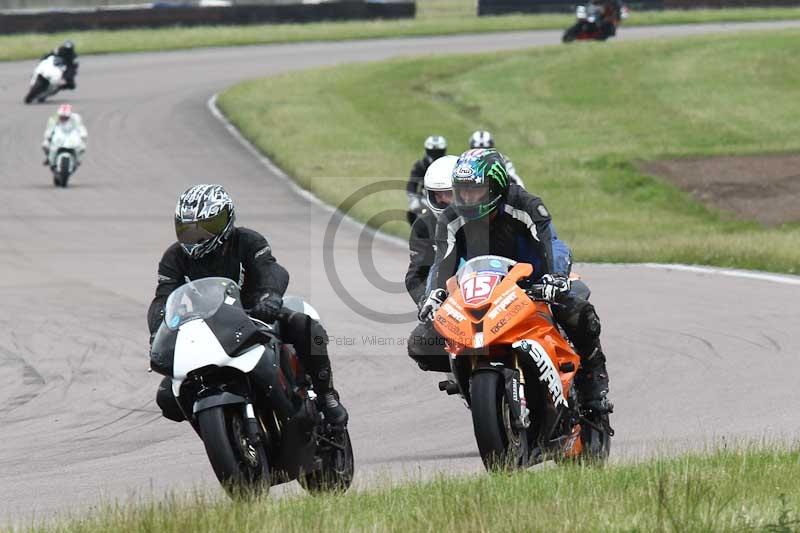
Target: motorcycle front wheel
x=240, y=465
x=63, y=171
x=570, y=34
x=502, y=446
x=38, y=87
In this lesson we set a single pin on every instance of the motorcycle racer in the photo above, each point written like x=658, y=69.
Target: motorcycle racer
x=438, y=195
x=65, y=118
x=67, y=56
x=210, y=245
x=484, y=139
x=435, y=147
x=489, y=216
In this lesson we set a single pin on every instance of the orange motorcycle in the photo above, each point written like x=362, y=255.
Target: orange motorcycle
x=515, y=369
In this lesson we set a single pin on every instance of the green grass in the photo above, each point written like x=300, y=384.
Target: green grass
x=574, y=119
x=754, y=489
x=434, y=17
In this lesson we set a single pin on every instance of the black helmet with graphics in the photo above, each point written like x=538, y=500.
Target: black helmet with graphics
x=480, y=183
x=204, y=218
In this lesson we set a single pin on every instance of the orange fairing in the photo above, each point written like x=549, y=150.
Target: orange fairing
x=505, y=316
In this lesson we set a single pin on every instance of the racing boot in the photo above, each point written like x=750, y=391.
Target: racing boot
x=328, y=398
x=592, y=382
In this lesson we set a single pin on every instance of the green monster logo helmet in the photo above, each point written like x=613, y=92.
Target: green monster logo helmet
x=480, y=183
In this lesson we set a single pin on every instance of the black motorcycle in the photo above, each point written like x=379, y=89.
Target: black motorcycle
x=255, y=435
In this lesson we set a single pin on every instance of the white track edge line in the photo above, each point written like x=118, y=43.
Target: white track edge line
x=785, y=279
x=304, y=193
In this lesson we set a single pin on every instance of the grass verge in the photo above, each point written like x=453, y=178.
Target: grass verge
x=730, y=490
x=574, y=119
x=435, y=17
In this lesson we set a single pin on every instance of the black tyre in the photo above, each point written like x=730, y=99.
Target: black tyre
x=38, y=86
x=570, y=34
x=240, y=466
x=338, y=466
x=501, y=445
x=63, y=171
x=596, y=439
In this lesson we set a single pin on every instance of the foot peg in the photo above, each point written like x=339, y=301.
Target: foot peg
x=450, y=387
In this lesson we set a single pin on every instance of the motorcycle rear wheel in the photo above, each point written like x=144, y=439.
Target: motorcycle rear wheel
x=338, y=467
x=501, y=445
x=240, y=466
x=596, y=442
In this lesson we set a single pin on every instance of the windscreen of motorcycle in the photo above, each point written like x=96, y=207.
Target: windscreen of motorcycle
x=478, y=277
x=199, y=299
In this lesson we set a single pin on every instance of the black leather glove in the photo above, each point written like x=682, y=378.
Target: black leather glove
x=268, y=307
x=554, y=286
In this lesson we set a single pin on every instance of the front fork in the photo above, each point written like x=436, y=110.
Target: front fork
x=515, y=395
x=518, y=408
x=253, y=434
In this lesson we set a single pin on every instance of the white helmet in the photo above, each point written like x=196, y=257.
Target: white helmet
x=438, y=178
x=481, y=139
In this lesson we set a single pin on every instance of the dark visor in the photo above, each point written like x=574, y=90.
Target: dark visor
x=201, y=230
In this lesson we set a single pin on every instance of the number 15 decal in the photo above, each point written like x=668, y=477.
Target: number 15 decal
x=478, y=288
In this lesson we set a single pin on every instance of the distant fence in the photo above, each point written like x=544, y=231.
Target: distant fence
x=110, y=19
x=499, y=7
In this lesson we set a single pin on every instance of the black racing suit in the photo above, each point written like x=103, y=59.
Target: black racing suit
x=519, y=230
x=246, y=258
x=422, y=253
x=70, y=63
x=416, y=183
x=612, y=13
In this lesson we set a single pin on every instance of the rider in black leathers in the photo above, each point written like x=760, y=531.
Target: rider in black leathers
x=438, y=195
x=210, y=245
x=69, y=58
x=435, y=147
x=511, y=222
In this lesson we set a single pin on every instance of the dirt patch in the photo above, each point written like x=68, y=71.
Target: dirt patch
x=762, y=188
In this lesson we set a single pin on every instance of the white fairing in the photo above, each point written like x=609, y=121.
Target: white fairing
x=68, y=137
x=580, y=12
x=48, y=69
x=69, y=157
x=197, y=346
x=310, y=311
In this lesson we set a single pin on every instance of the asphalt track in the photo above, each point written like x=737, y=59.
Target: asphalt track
x=694, y=356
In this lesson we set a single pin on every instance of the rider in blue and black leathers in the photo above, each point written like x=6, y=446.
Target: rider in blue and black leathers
x=489, y=216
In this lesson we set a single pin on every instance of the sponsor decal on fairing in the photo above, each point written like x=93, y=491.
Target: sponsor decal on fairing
x=547, y=371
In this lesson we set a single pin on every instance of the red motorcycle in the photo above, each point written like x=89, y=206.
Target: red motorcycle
x=595, y=22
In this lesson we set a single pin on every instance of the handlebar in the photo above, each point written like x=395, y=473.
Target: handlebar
x=536, y=292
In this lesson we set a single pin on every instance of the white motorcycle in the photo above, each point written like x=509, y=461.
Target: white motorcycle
x=66, y=147
x=246, y=394
x=47, y=79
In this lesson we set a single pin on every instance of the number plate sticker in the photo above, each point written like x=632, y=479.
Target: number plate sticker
x=477, y=288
